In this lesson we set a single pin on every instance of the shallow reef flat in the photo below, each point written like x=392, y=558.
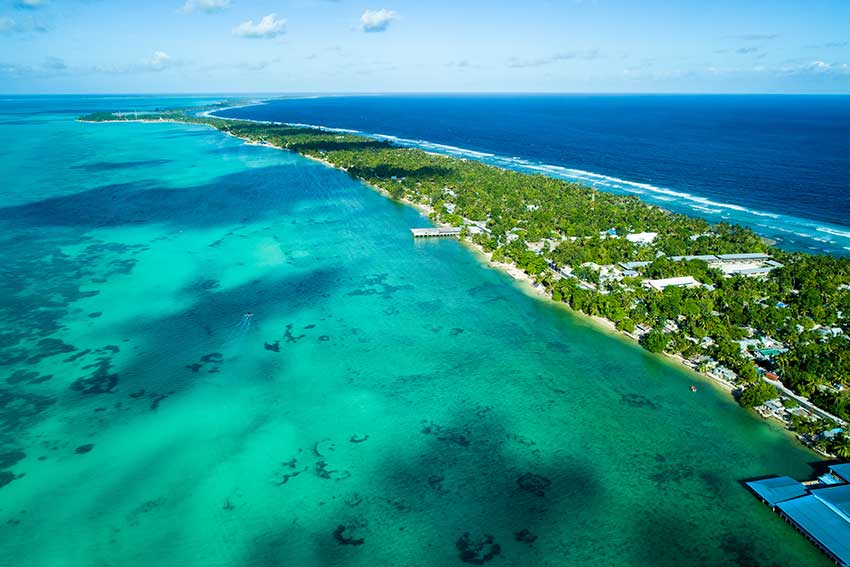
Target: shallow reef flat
x=220, y=354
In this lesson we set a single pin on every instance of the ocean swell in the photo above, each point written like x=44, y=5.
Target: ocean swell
x=790, y=232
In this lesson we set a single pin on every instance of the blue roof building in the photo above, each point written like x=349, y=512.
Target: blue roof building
x=842, y=471
x=821, y=512
x=776, y=490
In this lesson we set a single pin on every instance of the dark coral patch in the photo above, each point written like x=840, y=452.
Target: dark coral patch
x=534, y=483
x=477, y=552
x=342, y=539
x=82, y=449
x=11, y=458
x=101, y=381
x=50, y=347
x=28, y=377
x=638, y=401
x=445, y=433
x=157, y=399
x=289, y=337
x=18, y=409
x=322, y=471
x=6, y=477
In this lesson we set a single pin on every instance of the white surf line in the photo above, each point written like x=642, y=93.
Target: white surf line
x=694, y=202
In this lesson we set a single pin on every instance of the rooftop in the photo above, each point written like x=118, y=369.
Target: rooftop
x=775, y=490
x=682, y=281
x=842, y=471
x=738, y=257
x=822, y=513
x=823, y=516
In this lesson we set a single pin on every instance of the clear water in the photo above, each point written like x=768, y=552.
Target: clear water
x=401, y=390
x=778, y=164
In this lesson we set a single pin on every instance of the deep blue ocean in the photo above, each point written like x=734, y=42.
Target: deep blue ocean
x=779, y=164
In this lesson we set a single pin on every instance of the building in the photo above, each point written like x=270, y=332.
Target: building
x=662, y=284
x=753, y=264
x=633, y=265
x=750, y=257
x=435, y=232
x=642, y=237
x=820, y=510
x=704, y=257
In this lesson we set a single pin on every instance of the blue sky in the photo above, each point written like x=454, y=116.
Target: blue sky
x=120, y=46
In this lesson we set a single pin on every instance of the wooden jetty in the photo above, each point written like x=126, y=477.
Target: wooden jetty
x=452, y=232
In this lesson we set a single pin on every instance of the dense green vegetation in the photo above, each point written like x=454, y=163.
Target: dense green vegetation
x=757, y=394
x=543, y=225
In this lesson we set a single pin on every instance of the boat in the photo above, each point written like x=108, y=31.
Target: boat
x=693, y=388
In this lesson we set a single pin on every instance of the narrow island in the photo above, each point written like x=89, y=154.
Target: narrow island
x=772, y=326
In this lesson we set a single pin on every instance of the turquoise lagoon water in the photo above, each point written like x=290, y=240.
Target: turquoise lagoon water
x=388, y=402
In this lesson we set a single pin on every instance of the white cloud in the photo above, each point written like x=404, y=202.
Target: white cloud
x=158, y=61
x=377, y=20
x=30, y=4
x=814, y=68
x=269, y=27
x=208, y=6
x=826, y=67
x=755, y=36
x=586, y=55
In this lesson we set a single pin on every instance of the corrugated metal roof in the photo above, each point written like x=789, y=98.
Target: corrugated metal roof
x=837, y=498
x=819, y=519
x=748, y=256
x=633, y=265
x=842, y=470
x=775, y=490
x=703, y=257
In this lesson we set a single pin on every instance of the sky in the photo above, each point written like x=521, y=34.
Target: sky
x=289, y=46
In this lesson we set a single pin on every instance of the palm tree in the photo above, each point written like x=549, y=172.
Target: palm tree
x=842, y=447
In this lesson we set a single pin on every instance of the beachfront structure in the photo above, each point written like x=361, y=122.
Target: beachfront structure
x=642, y=237
x=435, y=232
x=820, y=510
x=753, y=264
x=662, y=284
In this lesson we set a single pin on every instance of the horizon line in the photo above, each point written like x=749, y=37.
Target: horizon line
x=413, y=92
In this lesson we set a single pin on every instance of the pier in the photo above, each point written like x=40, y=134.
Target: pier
x=451, y=232
x=820, y=510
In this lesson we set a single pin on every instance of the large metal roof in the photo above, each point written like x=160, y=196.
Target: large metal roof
x=823, y=515
x=778, y=489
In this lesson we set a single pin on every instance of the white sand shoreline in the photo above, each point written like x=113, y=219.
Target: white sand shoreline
x=523, y=280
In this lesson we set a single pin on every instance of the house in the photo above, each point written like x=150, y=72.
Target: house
x=633, y=265
x=642, y=237
x=662, y=284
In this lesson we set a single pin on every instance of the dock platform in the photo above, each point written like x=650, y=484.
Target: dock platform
x=452, y=232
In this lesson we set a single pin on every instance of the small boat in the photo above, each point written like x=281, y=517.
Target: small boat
x=693, y=388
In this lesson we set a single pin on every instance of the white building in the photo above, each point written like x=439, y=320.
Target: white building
x=642, y=237
x=662, y=284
